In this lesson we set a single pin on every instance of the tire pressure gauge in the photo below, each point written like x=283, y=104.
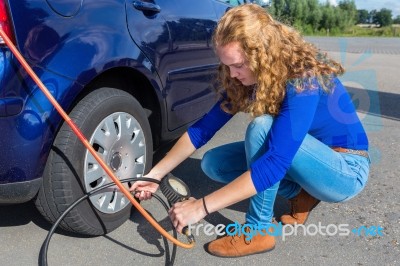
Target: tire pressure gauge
x=174, y=189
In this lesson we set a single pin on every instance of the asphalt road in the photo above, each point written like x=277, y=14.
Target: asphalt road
x=373, y=79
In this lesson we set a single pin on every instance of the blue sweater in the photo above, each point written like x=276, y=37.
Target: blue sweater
x=330, y=118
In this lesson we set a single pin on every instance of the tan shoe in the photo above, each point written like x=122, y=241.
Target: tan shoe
x=301, y=205
x=238, y=246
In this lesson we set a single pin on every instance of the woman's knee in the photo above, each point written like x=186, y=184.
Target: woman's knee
x=259, y=127
x=256, y=137
x=222, y=167
x=208, y=164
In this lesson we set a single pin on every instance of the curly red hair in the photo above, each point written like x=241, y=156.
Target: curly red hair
x=276, y=53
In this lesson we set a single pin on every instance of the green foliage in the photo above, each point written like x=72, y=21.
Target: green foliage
x=347, y=12
x=383, y=17
x=312, y=17
x=363, y=16
x=389, y=31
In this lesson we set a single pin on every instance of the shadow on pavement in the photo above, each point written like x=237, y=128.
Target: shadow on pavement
x=21, y=214
x=382, y=104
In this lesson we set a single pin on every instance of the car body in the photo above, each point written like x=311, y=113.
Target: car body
x=131, y=74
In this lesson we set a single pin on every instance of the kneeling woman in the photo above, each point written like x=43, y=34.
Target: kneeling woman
x=305, y=142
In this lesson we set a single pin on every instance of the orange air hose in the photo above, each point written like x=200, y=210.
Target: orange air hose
x=86, y=143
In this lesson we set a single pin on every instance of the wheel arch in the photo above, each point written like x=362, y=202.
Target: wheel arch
x=136, y=84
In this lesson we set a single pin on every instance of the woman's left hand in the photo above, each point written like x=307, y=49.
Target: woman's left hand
x=187, y=212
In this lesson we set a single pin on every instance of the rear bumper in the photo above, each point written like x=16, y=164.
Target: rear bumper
x=19, y=192
x=26, y=123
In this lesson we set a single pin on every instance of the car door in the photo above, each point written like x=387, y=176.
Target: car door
x=176, y=37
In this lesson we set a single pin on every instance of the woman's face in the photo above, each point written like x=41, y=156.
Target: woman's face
x=232, y=56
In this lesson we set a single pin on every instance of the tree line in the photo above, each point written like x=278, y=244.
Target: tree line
x=311, y=16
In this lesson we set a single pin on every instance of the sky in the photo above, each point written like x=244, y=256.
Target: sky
x=369, y=5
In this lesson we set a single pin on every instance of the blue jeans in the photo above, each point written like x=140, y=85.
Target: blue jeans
x=325, y=174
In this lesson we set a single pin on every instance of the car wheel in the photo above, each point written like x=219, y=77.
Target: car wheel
x=116, y=126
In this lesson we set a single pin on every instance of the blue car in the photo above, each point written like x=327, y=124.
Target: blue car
x=131, y=74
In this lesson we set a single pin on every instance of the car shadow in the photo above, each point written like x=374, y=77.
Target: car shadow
x=376, y=103
x=21, y=214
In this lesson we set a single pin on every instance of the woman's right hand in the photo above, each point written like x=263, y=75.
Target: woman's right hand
x=143, y=190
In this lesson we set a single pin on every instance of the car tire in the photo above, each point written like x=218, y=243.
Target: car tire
x=117, y=127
